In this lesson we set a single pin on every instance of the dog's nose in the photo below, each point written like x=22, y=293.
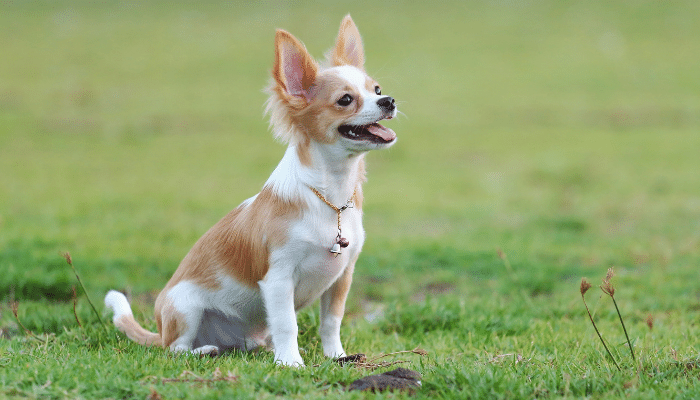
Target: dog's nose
x=387, y=103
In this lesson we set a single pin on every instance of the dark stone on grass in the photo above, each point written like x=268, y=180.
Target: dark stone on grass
x=397, y=380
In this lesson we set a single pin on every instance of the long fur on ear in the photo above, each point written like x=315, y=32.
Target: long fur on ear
x=294, y=74
x=294, y=70
x=348, y=48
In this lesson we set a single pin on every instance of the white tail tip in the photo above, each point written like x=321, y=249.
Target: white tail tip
x=118, y=303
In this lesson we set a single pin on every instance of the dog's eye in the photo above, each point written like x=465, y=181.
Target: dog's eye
x=345, y=100
x=377, y=90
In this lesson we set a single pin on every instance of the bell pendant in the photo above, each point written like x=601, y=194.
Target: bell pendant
x=335, y=249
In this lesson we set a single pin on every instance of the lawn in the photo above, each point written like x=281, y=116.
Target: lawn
x=539, y=143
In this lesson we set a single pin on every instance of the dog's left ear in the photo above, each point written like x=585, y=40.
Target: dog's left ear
x=348, y=46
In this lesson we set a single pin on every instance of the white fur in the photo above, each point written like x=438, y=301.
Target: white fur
x=118, y=303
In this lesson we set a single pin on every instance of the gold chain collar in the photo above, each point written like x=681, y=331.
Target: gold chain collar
x=340, y=241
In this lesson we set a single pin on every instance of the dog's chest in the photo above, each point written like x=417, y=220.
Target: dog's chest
x=319, y=267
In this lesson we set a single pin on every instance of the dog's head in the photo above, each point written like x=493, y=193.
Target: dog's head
x=337, y=104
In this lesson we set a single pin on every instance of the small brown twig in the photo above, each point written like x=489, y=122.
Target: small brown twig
x=69, y=260
x=609, y=289
x=584, y=288
x=372, y=366
x=75, y=303
x=360, y=360
x=183, y=378
x=417, y=350
x=15, y=306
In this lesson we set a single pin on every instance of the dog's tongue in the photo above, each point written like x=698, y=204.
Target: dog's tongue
x=385, y=133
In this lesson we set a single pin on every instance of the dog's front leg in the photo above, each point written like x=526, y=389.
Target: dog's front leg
x=332, y=310
x=278, y=295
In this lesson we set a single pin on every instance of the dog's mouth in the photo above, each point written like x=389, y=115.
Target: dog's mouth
x=374, y=133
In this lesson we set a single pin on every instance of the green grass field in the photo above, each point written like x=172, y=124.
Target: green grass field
x=540, y=142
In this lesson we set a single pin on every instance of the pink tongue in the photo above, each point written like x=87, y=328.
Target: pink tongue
x=385, y=133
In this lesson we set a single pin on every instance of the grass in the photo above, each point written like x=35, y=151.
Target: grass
x=542, y=143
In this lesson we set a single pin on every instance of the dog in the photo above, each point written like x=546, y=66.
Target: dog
x=297, y=240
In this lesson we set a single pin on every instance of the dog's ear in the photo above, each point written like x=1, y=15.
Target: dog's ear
x=294, y=70
x=348, y=46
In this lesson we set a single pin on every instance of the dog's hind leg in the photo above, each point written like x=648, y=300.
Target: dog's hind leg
x=180, y=311
x=179, y=329
x=186, y=331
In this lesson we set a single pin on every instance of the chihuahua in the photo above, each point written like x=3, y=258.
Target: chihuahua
x=297, y=240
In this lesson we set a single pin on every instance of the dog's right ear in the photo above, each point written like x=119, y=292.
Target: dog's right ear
x=294, y=70
x=348, y=48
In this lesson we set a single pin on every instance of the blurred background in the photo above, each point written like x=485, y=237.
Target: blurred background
x=539, y=141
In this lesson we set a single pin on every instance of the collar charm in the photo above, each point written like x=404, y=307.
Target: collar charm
x=340, y=241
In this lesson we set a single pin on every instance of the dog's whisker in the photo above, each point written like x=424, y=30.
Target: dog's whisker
x=402, y=114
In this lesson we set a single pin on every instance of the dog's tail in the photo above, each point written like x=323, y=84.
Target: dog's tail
x=125, y=322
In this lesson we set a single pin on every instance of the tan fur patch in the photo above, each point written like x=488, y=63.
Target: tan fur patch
x=370, y=84
x=171, y=323
x=303, y=152
x=361, y=178
x=348, y=48
x=340, y=288
x=239, y=244
x=134, y=331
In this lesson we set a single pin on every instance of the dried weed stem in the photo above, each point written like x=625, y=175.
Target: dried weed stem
x=360, y=360
x=69, y=260
x=190, y=377
x=609, y=289
x=15, y=306
x=584, y=288
x=75, y=303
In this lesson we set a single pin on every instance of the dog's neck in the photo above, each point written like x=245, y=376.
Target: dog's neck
x=334, y=172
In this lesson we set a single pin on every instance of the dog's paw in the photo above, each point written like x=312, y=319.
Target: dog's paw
x=332, y=347
x=334, y=352
x=289, y=360
x=208, y=350
x=180, y=348
x=290, y=363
